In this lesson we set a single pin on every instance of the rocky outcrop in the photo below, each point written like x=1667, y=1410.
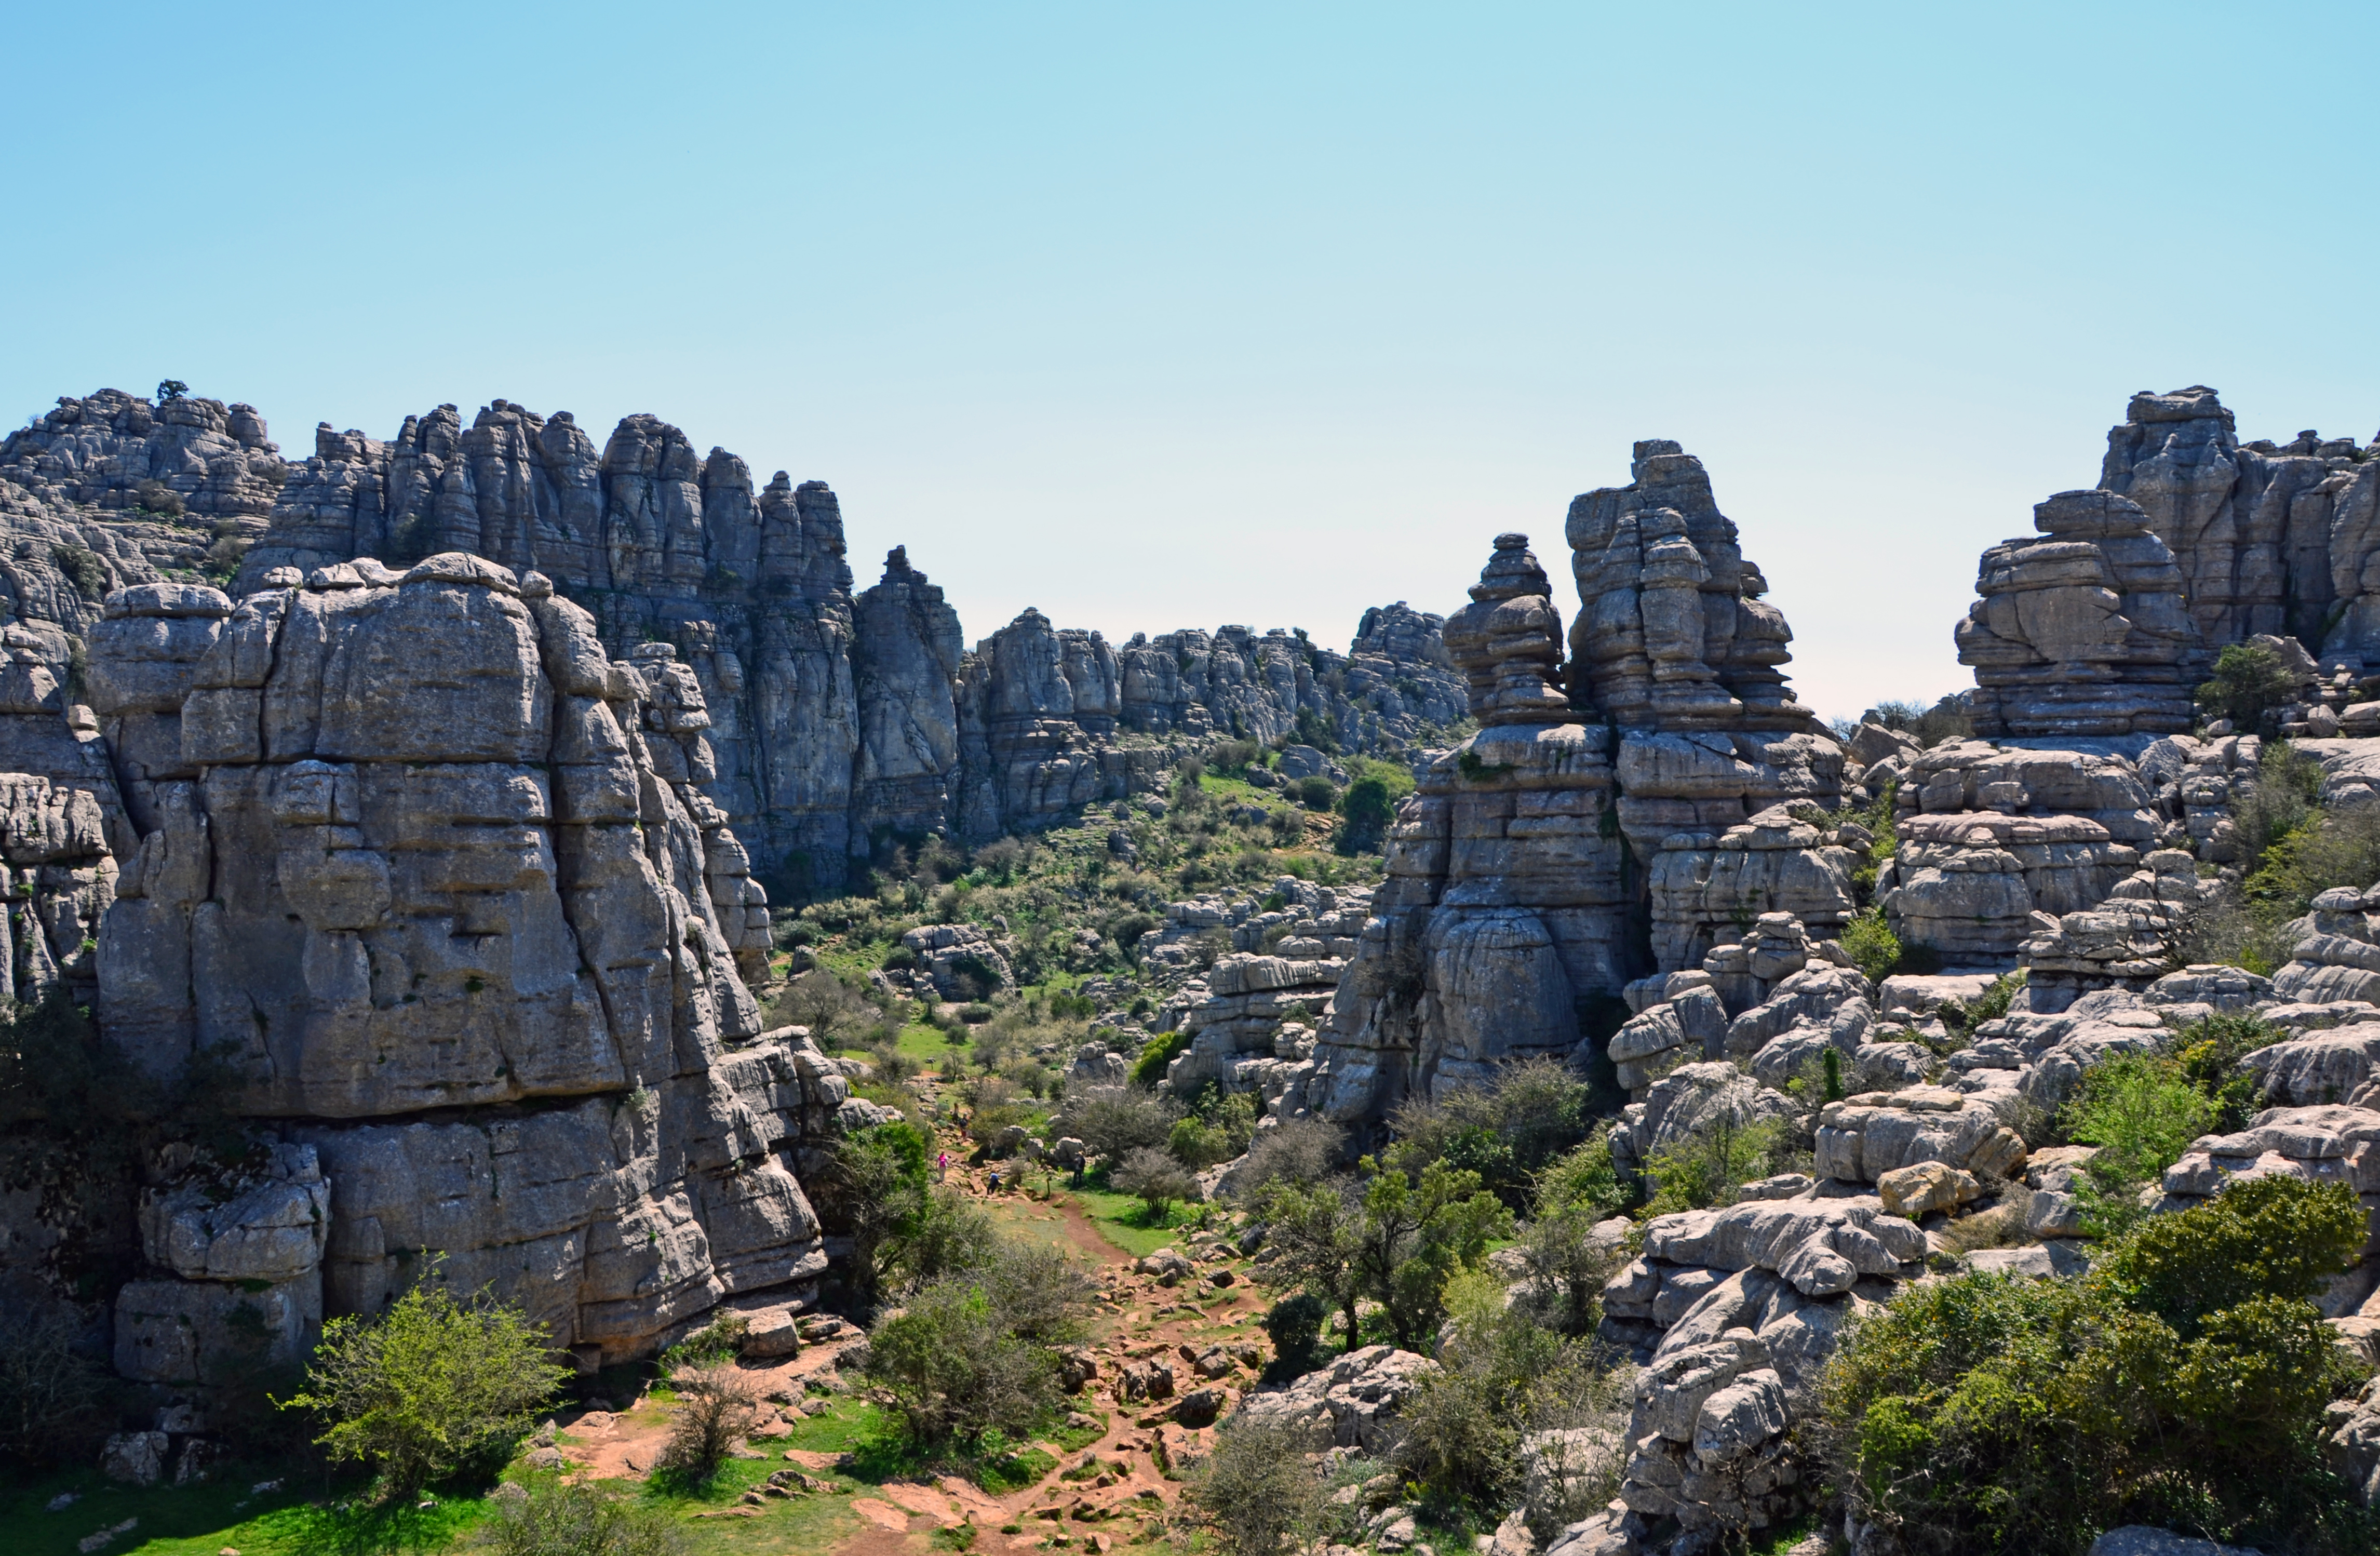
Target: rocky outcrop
x=408, y=843
x=2339, y=955
x=1616, y=816
x=1352, y=1402
x=2130, y=940
x=1989, y=837
x=836, y=720
x=2270, y=538
x=2084, y=631
x=1672, y=630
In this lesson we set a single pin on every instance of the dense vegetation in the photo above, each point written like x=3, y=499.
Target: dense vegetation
x=2180, y=1383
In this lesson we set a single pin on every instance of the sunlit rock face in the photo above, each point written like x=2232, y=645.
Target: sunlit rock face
x=1618, y=814
x=410, y=844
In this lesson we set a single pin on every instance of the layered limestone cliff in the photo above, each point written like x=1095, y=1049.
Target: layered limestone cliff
x=413, y=843
x=837, y=718
x=1616, y=816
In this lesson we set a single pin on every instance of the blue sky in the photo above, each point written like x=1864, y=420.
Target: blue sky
x=1156, y=316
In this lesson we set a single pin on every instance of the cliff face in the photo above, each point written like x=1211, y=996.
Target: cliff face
x=835, y=718
x=1616, y=816
x=2272, y=537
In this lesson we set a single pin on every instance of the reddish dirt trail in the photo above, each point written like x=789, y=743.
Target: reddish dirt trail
x=1120, y=1486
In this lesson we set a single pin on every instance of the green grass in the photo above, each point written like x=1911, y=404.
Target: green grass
x=1120, y=1219
x=202, y=1519
x=921, y=1042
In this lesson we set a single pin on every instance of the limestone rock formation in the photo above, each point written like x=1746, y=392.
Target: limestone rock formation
x=835, y=720
x=1578, y=843
x=408, y=843
x=1990, y=837
x=2084, y=631
x=2271, y=538
x=1671, y=629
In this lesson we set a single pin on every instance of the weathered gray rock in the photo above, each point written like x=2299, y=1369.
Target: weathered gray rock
x=2084, y=631
x=1352, y=1403
x=1671, y=629
x=2129, y=939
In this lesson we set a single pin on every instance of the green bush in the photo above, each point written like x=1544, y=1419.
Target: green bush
x=1155, y=1177
x=1500, y=1377
x=1365, y=812
x=1254, y=1491
x=1871, y=942
x=1162, y=1050
x=1704, y=1169
x=1317, y=793
x=2142, y=1114
x=574, y=1518
x=430, y=1387
x=2180, y=1383
x=1294, y=1326
x=2249, y=683
x=955, y=1370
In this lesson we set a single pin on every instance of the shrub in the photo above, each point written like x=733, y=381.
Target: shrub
x=1155, y=1178
x=1294, y=1326
x=1114, y=1120
x=1296, y=1151
x=1366, y=812
x=1704, y=1169
x=428, y=1387
x=83, y=569
x=955, y=1370
x=574, y=1518
x=2249, y=682
x=2142, y=1115
x=1318, y=793
x=1871, y=942
x=1500, y=1377
x=49, y=1396
x=717, y=1405
x=1507, y=1131
x=975, y=1013
x=893, y=1067
x=2182, y=1382
x=1585, y=1179
x=154, y=496
x=1255, y=1490
x=950, y=1237
x=1162, y=1050
x=832, y=1009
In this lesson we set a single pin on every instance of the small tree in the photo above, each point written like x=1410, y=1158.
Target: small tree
x=428, y=1387
x=574, y=1518
x=1112, y=1120
x=1366, y=812
x=956, y=1370
x=1318, y=1231
x=880, y=1179
x=1413, y=1236
x=1156, y=1177
x=717, y=1405
x=171, y=389
x=832, y=1009
x=2250, y=681
x=1256, y=1491
x=50, y=1397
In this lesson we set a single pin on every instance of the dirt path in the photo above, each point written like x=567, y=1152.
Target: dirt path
x=1115, y=1490
x=1108, y=1494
